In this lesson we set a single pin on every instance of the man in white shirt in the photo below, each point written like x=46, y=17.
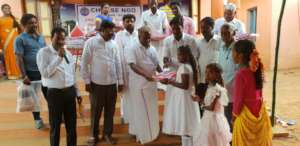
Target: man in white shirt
x=102, y=73
x=229, y=17
x=125, y=39
x=143, y=61
x=208, y=51
x=173, y=42
x=57, y=68
x=158, y=23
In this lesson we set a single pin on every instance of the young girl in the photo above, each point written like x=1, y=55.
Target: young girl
x=181, y=115
x=251, y=125
x=214, y=129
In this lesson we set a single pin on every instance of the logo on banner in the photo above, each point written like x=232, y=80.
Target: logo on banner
x=84, y=11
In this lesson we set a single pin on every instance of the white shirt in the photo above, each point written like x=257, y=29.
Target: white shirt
x=171, y=46
x=157, y=22
x=100, y=62
x=208, y=54
x=124, y=40
x=239, y=25
x=55, y=71
x=145, y=58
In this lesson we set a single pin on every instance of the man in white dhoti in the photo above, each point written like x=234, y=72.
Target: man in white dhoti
x=158, y=23
x=124, y=39
x=143, y=61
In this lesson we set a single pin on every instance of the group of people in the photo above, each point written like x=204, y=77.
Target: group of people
x=215, y=100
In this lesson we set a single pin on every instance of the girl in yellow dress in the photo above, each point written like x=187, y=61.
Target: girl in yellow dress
x=252, y=126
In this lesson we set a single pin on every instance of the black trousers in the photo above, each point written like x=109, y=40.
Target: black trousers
x=201, y=91
x=62, y=102
x=102, y=97
x=36, y=76
x=228, y=114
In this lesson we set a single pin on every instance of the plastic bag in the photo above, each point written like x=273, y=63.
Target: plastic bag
x=28, y=99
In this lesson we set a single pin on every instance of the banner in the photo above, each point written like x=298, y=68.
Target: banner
x=86, y=15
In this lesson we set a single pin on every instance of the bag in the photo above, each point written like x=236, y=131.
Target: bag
x=25, y=99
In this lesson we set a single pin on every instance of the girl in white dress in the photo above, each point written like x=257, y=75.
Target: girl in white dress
x=181, y=115
x=214, y=129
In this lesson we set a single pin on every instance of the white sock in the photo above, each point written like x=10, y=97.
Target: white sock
x=184, y=141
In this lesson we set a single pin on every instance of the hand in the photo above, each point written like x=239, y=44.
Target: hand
x=196, y=98
x=120, y=88
x=164, y=81
x=26, y=80
x=88, y=87
x=79, y=99
x=171, y=81
x=61, y=52
x=149, y=78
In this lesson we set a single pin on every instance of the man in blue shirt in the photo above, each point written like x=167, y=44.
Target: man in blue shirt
x=228, y=66
x=26, y=47
x=104, y=16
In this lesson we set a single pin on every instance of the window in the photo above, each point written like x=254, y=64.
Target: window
x=252, y=18
x=42, y=10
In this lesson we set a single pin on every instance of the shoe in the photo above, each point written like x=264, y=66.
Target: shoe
x=110, y=140
x=93, y=140
x=39, y=124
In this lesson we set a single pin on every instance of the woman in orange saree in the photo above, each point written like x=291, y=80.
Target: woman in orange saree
x=8, y=31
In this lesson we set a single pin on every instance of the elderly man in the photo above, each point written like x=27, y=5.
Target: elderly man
x=143, y=61
x=229, y=17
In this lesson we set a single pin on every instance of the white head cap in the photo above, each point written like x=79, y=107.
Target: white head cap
x=230, y=6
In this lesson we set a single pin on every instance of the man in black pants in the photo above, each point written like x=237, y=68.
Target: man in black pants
x=101, y=71
x=57, y=67
x=26, y=46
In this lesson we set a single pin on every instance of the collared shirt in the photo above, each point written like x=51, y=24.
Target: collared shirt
x=124, y=40
x=171, y=46
x=28, y=47
x=57, y=72
x=145, y=58
x=228, y=66
x=208, y=54
x=157, y=22
x=239, y=25
x=100, y=62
